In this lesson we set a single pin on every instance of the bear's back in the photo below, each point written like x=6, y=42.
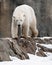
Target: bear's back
x=28, y=10
x=24, y=7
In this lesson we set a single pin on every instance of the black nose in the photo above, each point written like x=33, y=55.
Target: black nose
x=18, y=24
x=19, y=30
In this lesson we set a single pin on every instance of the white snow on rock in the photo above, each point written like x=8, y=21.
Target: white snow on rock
x=47, y=45
x=34, y=60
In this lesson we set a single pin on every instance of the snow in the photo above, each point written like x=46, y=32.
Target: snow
x=45, y=38
x=34, y=60
x=47, y=45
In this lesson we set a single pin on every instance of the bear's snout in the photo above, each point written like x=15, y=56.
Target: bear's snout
x=19, y=22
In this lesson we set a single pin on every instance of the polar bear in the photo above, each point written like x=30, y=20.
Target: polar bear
x=24, y=16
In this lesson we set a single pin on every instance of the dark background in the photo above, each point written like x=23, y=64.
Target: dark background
x=42, y=8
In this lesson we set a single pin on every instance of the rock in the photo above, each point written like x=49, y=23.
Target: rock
x=18, y=50
x=4, y=56
x=48, y=41
x=44, y=48
x=39, y=40
x=20, y=47
x=11, y=48
x=28, y=45
x=41, y=53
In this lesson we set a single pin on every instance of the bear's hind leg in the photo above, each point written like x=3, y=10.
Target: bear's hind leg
x=34, y=31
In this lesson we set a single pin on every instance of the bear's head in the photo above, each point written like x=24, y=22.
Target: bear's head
x=19, y=18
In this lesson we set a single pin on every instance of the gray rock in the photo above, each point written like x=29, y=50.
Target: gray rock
x=4, y=56
x=20, y=47
x=11, y=48
x=41, y=53
x=28, y=45
x=44, y=48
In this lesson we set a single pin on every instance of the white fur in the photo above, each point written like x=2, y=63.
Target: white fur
x=25, y=16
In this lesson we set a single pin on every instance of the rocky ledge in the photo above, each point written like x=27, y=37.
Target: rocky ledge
x=20, y=47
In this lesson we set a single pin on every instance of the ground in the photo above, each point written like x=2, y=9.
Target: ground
x=42, y=54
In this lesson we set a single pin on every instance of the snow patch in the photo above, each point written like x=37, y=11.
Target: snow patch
x=34, y=60
x=47, y=45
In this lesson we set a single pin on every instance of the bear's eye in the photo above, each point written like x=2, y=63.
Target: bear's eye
x=20, y=19
x=24, y=15
x=16, y=20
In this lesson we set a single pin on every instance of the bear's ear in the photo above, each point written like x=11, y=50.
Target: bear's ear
x=13, y=17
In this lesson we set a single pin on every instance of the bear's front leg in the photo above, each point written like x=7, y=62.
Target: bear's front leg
x=25, y=31
x=14, y=30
